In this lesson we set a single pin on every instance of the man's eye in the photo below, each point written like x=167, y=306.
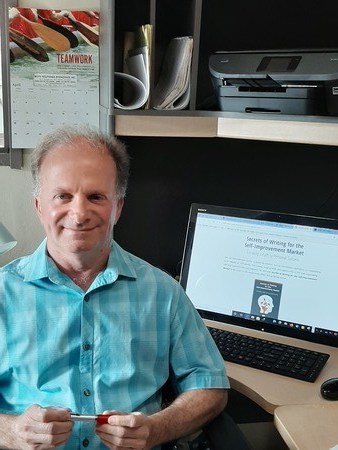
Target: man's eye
x=62, y=196
x=96, y=197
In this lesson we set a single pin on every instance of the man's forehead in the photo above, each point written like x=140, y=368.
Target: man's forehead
x=80, y=145
x=63, y=155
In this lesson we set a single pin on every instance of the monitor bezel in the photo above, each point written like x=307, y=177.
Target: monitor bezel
x=269, y=216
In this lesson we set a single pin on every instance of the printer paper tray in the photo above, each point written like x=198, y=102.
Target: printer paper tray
x=274, y=105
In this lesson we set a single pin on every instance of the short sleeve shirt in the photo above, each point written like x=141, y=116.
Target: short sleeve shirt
x=110, y=348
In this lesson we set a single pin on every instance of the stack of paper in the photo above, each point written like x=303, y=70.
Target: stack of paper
x=132, y=85
x=173, y=88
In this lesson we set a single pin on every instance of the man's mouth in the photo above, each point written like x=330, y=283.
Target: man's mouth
x=79, y=230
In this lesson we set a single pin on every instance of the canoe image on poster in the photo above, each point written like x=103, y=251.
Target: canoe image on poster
x=54, y=71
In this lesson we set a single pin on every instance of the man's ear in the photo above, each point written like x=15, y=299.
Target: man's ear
x=119, y=207
x=37, y=206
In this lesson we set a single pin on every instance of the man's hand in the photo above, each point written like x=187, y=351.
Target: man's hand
x=41, y=428
x=189, y=412
x=125, y=431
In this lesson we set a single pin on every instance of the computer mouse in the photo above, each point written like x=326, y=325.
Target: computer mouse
x=329, y=389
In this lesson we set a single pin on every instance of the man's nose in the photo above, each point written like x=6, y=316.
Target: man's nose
x=80, y=210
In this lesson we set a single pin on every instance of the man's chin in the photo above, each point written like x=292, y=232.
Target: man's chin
x=77, y=245
x=80, y=247
x=72, y=245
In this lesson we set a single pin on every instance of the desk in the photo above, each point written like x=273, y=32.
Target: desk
x=308, y=427
x=286, y=397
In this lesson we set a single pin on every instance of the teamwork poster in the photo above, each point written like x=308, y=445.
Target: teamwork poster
x=54, y=71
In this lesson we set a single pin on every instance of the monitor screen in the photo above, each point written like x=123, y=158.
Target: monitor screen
x=264, y=270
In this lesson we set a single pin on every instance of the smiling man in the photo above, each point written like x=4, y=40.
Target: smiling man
x=78, y=205
x=88, y=328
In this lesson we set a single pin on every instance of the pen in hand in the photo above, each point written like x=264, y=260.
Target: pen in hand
x=98, y=418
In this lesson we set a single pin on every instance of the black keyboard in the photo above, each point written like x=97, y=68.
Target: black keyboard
x=294, y=362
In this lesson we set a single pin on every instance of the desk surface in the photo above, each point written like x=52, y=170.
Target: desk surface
x=310, y=427
x=270, y=390
x=303, y=418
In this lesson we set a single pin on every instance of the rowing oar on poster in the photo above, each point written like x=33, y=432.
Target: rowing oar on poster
x=28, y=45
x=73, y=40
x=11, y=56
x=90, y=35
x=52, y=38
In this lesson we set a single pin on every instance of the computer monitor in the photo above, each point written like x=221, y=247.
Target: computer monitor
x=269, y=271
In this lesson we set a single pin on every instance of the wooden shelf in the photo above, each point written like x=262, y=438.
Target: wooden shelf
x=320, y=130
x=166, y=126
x=308, y=130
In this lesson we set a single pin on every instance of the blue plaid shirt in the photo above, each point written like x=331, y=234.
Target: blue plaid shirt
x=112, y=347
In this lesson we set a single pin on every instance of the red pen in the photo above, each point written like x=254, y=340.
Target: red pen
x=99, y=418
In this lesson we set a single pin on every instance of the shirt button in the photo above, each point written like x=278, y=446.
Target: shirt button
x=86, y=347
x=85, y=442
x=86, y=392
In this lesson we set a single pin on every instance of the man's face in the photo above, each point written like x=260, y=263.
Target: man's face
x=77, y=204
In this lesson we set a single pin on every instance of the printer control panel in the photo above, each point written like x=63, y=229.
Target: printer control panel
x=278, y=63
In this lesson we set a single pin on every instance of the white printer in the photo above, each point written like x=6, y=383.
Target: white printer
x=279, y=81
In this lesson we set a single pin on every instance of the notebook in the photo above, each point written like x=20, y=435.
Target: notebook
x=263, y=270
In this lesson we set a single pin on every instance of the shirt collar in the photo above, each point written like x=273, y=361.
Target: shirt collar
x=37, y=266
x=41, y=266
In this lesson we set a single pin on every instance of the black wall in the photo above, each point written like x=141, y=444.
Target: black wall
x=168, y=174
